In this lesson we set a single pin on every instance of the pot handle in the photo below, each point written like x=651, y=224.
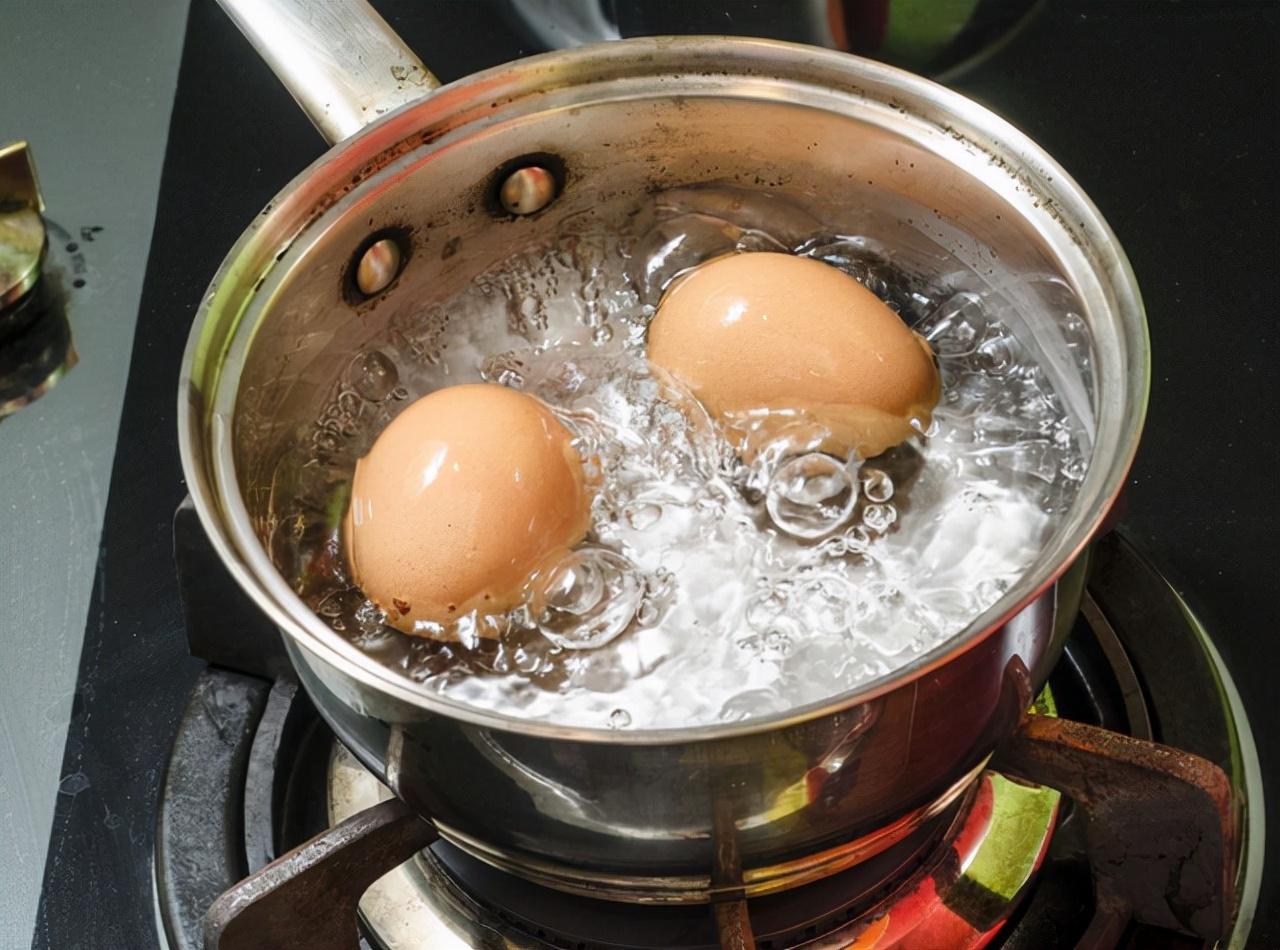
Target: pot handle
x=339, y=59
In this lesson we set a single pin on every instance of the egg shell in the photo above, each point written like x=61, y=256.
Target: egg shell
x=763, y=338
x=461, y=498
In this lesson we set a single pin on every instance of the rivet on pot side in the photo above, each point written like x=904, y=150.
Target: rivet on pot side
x=526, y=185
x=376, y=264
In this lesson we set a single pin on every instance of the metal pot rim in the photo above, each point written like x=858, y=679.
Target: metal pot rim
x=413, y=126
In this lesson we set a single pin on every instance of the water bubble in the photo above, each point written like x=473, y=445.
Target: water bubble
x=642, y=515
x=811, y=495
x=877, y=486
x=995, y=356
x=619, y=719
x=954, y=328
x=370, y=616
x=857, y=539
x=373, y=376
x=648, y=614
x=1075, y=331
x=506, y=369
x=676, y=246
x=989, y=591
x=588, y=599
x=879, y=518
x=527, y=661
x=763, y=609
x=777, y=642
x=1075, y=469
x=602, y=334
x=834, y=548
x=826, y=599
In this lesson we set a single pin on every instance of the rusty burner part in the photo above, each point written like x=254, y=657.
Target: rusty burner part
x=1159, y=822
x=1162, y=845
x=319, y=883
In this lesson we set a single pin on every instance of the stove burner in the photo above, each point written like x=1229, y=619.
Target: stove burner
x=950, y=885
x=36, y=350
x=961, y=880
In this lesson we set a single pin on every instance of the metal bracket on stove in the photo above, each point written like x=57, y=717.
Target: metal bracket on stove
x=319, y=882
x=1160, y=824
x=224, y=627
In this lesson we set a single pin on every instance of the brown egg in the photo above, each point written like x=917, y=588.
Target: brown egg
x=762, y=338
x=462, y=497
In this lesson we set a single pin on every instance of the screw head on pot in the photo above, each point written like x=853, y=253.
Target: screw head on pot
x=527, y=190
x=378, y=266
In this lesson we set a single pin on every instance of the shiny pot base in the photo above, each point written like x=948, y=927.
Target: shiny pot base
x=739, y=882
x=937, y=872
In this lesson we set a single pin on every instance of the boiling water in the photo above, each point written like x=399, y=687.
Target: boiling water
x=708, y=590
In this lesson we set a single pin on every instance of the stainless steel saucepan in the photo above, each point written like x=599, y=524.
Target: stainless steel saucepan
x=636, y=814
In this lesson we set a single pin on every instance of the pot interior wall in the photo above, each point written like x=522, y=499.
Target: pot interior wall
x=900, y=183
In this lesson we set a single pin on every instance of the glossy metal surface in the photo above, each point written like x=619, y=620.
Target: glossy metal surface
x=22, y=237
x=639, y=822
x=626, y=119
x=959, y=897
x=338, y=59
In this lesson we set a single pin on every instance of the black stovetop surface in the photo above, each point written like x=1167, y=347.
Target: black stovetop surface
x=1165, y=113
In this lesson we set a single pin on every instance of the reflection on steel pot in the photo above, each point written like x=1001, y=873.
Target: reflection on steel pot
x=637, y=814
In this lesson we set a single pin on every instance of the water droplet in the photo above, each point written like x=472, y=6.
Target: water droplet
x=602, y=334
x=811, y=495
x=879, y=518
x=373, y=376
x=73, y=784
x=877, y=486
x=619, y=719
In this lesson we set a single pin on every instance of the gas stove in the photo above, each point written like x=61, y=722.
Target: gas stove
x=271, y=834
x=193, y=761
